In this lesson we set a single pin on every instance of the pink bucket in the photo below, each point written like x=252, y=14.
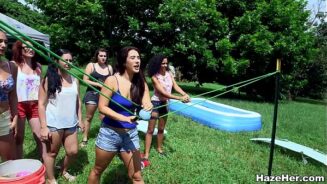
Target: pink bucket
x=22, y=171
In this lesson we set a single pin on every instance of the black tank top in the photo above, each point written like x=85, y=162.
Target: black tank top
x=97, y=76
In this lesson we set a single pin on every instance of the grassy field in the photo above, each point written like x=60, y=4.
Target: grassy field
x=198, y=154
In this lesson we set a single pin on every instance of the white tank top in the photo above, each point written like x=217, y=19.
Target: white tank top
x=27, y=86
x=61, y=111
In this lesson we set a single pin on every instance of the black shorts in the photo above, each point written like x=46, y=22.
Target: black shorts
x=91, y=98
x=161, y=110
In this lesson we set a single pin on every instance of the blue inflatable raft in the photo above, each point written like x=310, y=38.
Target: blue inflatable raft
x=217, y=115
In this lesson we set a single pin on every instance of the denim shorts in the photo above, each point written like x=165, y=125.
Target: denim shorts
x=70, y=130
x=91, y=98
x=161, y=110
x=110, y=140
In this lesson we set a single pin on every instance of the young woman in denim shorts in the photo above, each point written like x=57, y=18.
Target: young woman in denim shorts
x=28, y=82
x=8, y=103
x=118, y=132
x=163, y=82
x=60, y=114
x=100, y=70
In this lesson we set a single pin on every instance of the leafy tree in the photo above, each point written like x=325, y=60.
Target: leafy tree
x=224, y=41
x=317, y=69
x=275, y=29
x=128, y=24
x=196, y=35
x=76, y=25
x=83, y=26
x=18, y=11
x=234, y=40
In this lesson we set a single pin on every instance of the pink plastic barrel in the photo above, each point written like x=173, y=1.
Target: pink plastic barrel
x=22, y=171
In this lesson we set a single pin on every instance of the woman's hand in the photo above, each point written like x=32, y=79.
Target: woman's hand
x=147, y=106
x=13, y=126
x=45, y=134
x=131, y=119
x=81, y=126
x=186, y=98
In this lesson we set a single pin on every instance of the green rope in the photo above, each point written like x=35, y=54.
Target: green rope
x=59, y=58
x=221, y=88
x=233, y=89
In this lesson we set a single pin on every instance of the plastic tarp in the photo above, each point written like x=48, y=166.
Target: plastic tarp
x=34, y=34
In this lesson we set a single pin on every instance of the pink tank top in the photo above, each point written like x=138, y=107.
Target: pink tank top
x=166, y=82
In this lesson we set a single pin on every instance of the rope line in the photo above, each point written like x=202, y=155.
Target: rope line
x=233, y=89
x=221, y=88
x=59, y=58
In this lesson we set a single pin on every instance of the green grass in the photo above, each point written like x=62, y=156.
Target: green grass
x=198, y=154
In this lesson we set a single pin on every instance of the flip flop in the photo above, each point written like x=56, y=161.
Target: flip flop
x=69, y=177
x=83, y=144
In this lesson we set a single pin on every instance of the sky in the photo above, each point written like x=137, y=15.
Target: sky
x=317, y=5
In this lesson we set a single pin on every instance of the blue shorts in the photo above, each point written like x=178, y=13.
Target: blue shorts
x=110, y=140
x=161, y=110
x=70, y=130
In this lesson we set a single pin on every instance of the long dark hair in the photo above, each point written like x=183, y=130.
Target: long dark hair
x=53, y=77
x=17, y=55
x=95, y=56
x=155, y=64
x=137, y=87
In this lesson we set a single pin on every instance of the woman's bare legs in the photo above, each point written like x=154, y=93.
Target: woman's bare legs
x=132, y=161
x=102, y=160
x=160, y=135
x=19, y=139
x=90, y=110
x=7, y=147
x=52, y=149
x=36, y=130
x=71, y=147
x=149, y=134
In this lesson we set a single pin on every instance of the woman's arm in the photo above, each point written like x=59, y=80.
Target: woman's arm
x=88, y=70
x=39, y=69
x=13, y=99
x=79, y=107
x=111, y=70
x=104, y=102
x=160, y=89
x=42, y=104
x=146, y=100
x=185, y=96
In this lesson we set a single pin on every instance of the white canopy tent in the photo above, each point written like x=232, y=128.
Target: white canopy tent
x=34, y=34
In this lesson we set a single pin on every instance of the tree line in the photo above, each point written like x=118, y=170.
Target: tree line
x=223, y=41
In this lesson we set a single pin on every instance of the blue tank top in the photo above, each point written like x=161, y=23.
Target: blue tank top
x=123, y=102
